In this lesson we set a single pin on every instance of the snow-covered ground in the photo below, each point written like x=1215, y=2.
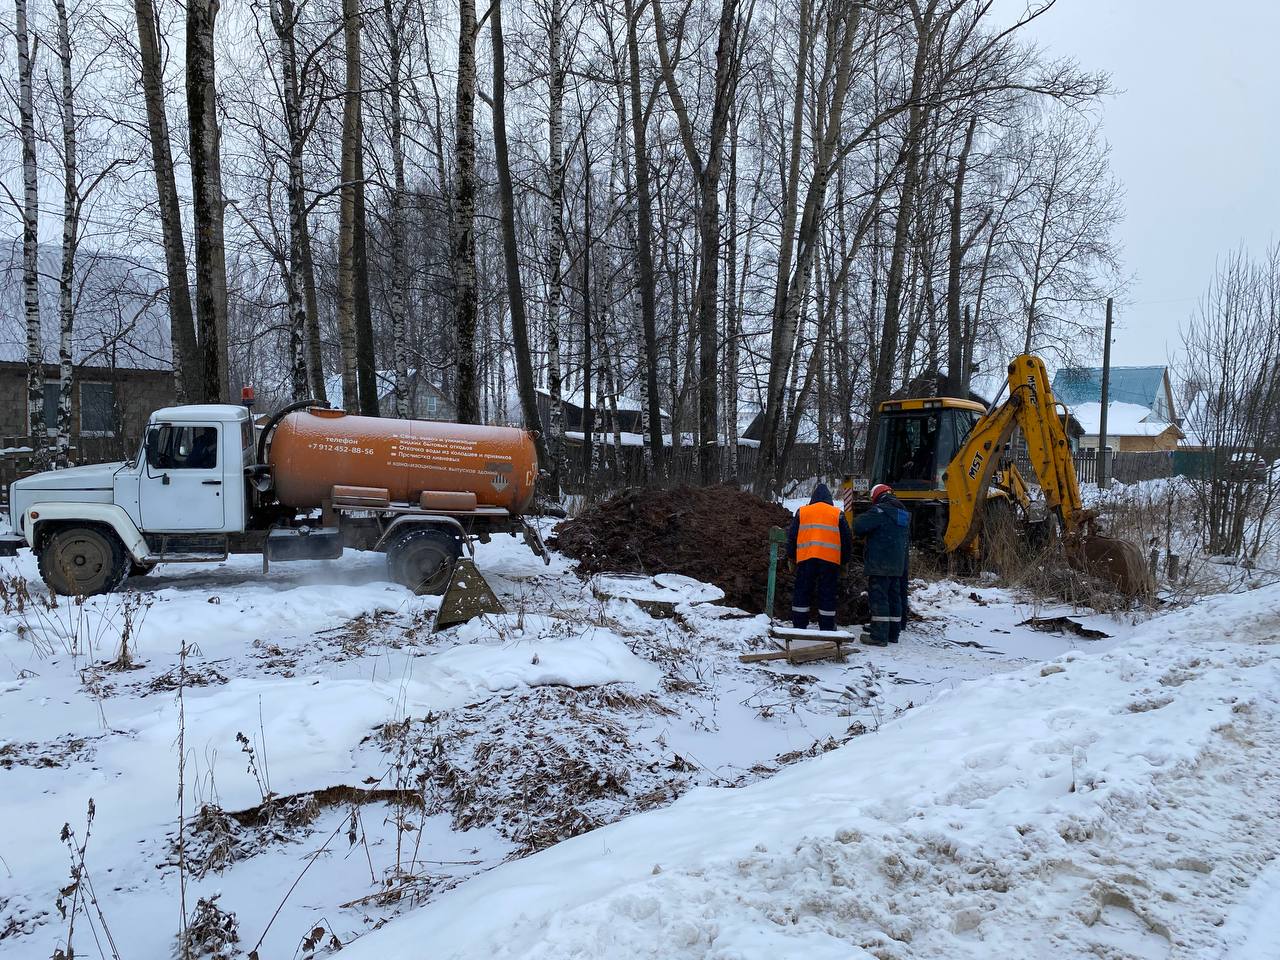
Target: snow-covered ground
x=981, y=789
x=1115, y=805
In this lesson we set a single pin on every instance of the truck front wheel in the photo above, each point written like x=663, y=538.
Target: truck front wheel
x=423, y=560
x=83, y=562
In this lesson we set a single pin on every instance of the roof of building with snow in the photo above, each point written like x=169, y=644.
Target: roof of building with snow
x=386, y=386
x=575, y=399
x=1123, y=420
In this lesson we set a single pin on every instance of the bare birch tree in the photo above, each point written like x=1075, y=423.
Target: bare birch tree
x=706, y=171
x=511, y=256
x=351, y=147
x=188, y=363
x=207, y=206
x=463, y=237
x=30, y=230
x=70, y=234
x=395, y=19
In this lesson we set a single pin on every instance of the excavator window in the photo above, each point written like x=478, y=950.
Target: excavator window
x=906, y=450
x=915, y=447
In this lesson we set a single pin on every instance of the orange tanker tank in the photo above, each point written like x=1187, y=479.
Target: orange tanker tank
x=314, y=450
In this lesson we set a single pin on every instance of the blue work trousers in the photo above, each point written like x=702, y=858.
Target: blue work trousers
x=825, y=576
x=888, y=596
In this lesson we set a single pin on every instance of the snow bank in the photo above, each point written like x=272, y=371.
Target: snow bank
x=302, y=705
x=1112, y=805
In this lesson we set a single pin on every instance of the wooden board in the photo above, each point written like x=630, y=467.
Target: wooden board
x=835, y=636
x=817, y=651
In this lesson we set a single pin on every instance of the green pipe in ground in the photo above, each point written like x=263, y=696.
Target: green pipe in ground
x=777, y=537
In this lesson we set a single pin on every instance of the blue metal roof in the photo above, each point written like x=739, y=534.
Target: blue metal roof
x=1076, y=385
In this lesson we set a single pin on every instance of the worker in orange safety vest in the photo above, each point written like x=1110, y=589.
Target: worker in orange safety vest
x=819, y=541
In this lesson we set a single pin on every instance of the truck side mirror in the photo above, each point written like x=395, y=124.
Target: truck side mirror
x=153, y=447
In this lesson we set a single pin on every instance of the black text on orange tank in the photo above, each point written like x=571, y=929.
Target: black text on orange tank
x=314, y=450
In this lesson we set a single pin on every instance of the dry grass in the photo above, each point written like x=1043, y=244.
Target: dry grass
x=62, y=752
x=212, y=933
x=541, y=765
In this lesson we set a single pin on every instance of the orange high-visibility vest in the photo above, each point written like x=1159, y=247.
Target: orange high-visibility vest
x=819, y=534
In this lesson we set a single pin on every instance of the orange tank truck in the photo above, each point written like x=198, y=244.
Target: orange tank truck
x=316, y=449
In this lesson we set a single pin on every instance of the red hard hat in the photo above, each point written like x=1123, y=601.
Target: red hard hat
x=879, y=490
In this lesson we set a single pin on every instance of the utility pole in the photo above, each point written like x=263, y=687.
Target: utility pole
x=1104, y=464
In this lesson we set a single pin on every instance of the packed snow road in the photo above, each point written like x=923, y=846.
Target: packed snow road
x=343, y=766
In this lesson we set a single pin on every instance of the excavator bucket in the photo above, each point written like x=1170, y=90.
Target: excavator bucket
x=1118, y=561
x=467, y=596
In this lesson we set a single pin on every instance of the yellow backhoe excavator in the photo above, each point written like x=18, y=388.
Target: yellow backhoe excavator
x=947, y=460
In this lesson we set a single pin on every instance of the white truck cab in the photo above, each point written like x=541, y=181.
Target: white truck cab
x=93, y=525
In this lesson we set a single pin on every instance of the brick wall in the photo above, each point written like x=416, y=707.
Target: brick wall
x=137, y=394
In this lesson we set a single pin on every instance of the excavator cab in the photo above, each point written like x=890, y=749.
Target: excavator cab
x=917, y=439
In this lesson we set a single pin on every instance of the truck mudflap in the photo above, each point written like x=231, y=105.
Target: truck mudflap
x=534, y=540
x=10, y=544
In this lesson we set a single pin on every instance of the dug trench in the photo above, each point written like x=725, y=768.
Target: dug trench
x=719, y=535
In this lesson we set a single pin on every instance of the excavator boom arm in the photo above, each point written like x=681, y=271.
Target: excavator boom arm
x=1047, y=445
x=1032, y=407
x=969, y=473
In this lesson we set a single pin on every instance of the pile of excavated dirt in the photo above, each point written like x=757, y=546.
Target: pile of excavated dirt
x=719, y=535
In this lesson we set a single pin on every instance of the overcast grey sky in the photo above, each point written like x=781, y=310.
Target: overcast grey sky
x=1195, y=136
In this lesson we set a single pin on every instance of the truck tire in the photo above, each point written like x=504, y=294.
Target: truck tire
x=83, y=561
x=423, y=560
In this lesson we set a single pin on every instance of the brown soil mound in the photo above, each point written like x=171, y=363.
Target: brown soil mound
x=719, y=535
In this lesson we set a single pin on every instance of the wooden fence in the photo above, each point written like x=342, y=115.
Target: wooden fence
x=1125, y=467
x=615, y=468
x=20, y=457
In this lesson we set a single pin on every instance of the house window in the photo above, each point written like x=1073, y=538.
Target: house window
x=433, y=404
x=51, y=406
x=98, y=409
x=1161, y=410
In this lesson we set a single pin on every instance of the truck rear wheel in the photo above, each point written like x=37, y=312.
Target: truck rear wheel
x=83, y=562
x=423, y=560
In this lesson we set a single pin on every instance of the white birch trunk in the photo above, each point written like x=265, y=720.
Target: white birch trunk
x=347, y=210
x=283, y=21
x=399, y=270
x=30, y=234
x=206, y=188
x=555, y=237
x=70, y=238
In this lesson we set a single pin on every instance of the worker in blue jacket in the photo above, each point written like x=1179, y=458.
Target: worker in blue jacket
x=819, y=541
x=887, y=529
